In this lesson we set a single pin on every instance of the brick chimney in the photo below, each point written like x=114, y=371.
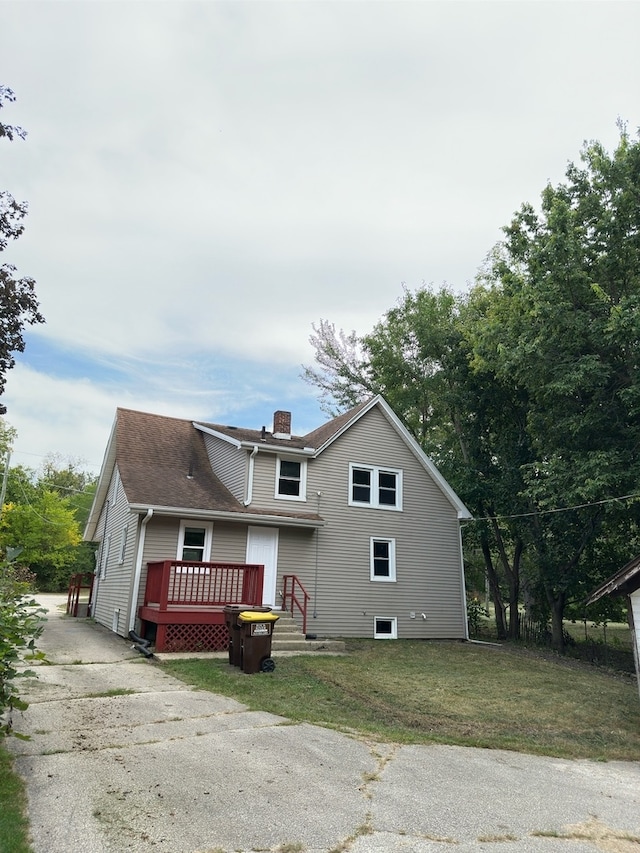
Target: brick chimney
x=282, y=424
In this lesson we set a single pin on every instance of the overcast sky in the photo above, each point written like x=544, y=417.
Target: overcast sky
x=207, y=179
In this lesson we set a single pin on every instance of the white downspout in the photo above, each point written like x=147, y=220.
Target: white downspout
x=138, y=570
x=252, y=456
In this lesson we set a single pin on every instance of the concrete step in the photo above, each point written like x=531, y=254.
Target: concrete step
x=288, y=637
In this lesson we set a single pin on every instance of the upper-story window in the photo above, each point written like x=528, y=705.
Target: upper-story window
x=377, y=487
x=291, y=479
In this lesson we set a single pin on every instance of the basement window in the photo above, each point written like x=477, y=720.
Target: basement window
x=385, y=628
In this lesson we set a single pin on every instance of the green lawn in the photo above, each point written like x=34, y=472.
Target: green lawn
x=14, y=826
x=445, y=692
x=616, y=634
x=419, y=692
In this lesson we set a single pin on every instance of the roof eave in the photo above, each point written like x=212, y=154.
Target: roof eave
x=620, y=583
x=250, y=445
x=221, y=435
x=279, y=448
x=228, y=515
x=104, y=480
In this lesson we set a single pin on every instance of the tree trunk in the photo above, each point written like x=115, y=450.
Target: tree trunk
x=557, y=614
x=512, y=573
x=494, y=586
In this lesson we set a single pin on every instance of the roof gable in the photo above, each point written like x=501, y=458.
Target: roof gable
x=162, y=461
x=624, y=582
x=327, y=434
x=163, y=464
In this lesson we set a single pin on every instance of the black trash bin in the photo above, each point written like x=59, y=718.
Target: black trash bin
x=256, y=630
x=231, y=613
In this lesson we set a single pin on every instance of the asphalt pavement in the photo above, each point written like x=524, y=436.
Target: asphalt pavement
x=123, y=757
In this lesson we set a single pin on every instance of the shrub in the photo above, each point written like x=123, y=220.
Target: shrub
x=21, y=623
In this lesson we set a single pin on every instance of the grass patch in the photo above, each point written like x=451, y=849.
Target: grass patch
x=116, y=691
x=14, y=826
x=443, y=692
x=614, y=633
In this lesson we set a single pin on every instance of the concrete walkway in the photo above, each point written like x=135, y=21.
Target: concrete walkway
x=167, y=769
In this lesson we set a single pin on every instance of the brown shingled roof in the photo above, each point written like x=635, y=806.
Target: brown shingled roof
x=163, y=462
x=314, y=439
x=254, y=436
x=327, y=431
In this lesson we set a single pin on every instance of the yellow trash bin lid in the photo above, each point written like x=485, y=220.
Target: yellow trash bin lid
x=256, y=616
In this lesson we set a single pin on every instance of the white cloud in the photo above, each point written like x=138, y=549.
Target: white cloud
x=206, y=180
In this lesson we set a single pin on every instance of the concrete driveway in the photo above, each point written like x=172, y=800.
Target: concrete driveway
x=168, y=769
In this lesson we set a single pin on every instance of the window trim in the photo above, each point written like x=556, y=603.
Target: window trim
x=375, y=471
x=303, y=479
x=391, y=578
x=384, y=636
x=123, y=544
x=207, y=526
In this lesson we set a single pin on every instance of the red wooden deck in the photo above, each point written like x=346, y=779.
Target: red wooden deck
x=185, y=601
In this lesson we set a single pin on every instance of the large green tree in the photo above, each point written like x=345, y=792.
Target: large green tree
x=42, y=516
x=45, y=530
x=526, y=391
x=561, y=324
x=418, y=357
x=18, y=302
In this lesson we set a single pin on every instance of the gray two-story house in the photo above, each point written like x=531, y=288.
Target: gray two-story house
x=351, y=527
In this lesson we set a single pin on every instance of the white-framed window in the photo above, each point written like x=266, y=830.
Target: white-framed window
x=291, y=479
x=383, y=559
x=385, y=628
x=373, y=486
x=194, y=543
x=123, y=544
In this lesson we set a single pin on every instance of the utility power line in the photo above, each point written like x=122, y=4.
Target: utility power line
x=556, y=510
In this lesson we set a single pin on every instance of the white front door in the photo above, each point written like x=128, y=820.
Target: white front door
x=262, y=549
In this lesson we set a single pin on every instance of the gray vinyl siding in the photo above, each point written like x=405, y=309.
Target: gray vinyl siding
x=114, y=589
x=228, y=463
x=333, y=562
x=264, y=485
x=296, y=552
x=426, y=532
x=160, y=542
x=296, y=548
x=229, y=540
x=229, y=544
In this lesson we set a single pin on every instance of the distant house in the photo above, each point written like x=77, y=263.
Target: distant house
x=351, y=527
x=626, y=582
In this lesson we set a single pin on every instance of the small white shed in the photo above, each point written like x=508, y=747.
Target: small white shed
x=626, y=582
